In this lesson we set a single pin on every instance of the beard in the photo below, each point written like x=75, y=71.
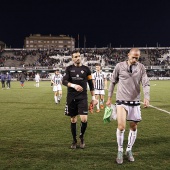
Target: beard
x=78, y=62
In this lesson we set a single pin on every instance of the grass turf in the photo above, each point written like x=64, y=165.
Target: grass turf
x=35, y=133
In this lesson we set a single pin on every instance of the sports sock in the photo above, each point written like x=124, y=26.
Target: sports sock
x=101, y=101
x=55, y=98
x=97, y=105
x=120, y=138
x=83, y=127
x=131, y=139
x=59, y=97
x=73, y=131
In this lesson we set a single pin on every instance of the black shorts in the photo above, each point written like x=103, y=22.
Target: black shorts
x=77, y=107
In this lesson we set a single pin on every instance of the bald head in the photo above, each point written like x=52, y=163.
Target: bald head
x=133, y=55
x=135, y=51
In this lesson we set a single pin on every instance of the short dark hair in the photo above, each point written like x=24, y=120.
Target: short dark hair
x=75, y=51
x=98, y=64
x=57, y=70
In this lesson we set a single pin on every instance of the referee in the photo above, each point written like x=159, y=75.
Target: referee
x=75, y=78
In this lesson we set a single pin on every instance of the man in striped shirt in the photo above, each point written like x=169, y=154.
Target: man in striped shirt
x=57, y=89
x=128, y=75
x=100, y=84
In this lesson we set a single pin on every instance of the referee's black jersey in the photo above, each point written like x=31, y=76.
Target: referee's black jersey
x=79, y=76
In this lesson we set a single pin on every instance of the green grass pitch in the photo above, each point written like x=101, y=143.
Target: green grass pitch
x=35, y=133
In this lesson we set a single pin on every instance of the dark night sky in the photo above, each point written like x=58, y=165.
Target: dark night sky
x=119, y=22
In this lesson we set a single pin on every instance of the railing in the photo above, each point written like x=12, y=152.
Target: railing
x=53, y=68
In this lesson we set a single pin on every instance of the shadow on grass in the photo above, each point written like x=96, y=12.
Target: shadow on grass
x=97, y=155
x=51, y=151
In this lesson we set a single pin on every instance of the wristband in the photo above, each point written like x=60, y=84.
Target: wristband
x=93, y=97
x=73, y=86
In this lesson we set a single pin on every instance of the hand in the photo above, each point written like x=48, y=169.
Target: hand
x=108, y=103
x=93, y=103
x=78, y=88
x=146, y=103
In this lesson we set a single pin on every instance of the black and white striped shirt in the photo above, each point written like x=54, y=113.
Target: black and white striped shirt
x=57, y=78
x=99, y=79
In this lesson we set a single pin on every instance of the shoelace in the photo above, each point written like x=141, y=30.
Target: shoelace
x=130, y=153
x=119, y=155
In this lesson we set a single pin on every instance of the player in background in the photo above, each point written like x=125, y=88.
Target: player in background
x=37, y=80
x=22, y=78
x=57, y=89
x=75, y=78
x=8, y=80
x=128, y=76
x=52, y=77
x=3, y=78
x=100, y=84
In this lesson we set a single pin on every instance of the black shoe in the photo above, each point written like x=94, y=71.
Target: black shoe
x=58, y=101
x=82, y=143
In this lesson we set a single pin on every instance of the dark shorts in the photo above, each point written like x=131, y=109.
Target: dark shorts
x=22, y=82
x=77, y=107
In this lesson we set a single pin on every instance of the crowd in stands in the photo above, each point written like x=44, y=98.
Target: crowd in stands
x=156, y=56
x=62, y=58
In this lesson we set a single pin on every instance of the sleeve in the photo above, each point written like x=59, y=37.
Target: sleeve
x=113, y=80
x=104, y=75
x=66, y=77
x=93, y=76
x=89, y=79
x=54, y=78
x=61, y=77
x=145, y=84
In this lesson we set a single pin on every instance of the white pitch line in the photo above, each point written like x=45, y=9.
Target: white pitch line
x=162, y=110
x=157, y=108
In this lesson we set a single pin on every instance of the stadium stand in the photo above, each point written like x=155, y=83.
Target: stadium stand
x=156, y=60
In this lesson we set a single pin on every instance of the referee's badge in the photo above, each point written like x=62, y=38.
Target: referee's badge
x=82, y=71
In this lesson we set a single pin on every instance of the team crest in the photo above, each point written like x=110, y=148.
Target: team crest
x=82, y=71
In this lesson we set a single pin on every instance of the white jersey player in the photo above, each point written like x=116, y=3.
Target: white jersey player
x=37, y=80
x=100, y=84
x=57, y=89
